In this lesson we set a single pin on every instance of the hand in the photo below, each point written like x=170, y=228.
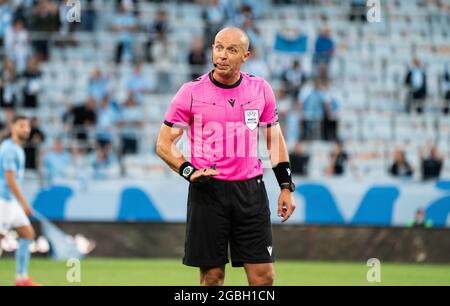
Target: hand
x=203, y=175
x=27, y=209
x=286, y=205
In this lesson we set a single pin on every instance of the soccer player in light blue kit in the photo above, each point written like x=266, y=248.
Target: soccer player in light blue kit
x=14, y=208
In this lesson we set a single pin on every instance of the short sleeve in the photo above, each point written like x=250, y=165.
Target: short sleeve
x=179, y=113
x=9, y=161
x=269, y=115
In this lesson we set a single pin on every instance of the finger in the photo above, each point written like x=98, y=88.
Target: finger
x=289, y=212
x=210, y=172
x=280, y=209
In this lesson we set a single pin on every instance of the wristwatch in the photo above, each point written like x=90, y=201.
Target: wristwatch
x=187, y=172
x=290, y=186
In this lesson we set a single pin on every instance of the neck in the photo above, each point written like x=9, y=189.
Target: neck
x=17, y=140
x=232, y=79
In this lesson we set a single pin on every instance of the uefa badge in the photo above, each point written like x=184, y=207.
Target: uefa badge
x=251, y=118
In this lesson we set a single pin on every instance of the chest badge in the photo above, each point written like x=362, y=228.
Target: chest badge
x=232, y=101
x=251, y=118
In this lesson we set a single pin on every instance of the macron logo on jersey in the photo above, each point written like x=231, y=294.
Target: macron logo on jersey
x=269, y=249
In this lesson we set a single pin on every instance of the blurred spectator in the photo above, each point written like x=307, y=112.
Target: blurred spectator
x=98, y=86
x=165, y=57
x=6, y=17
x=32, y=147
x=299, y=160
x=197, y=58
x=16, y=45
x=80, y=119
x=258, y=7
x=401, y=167
x=312, y=111
x=214, y=16
x=124, y=24
x=358, y=10
x=293, y=79
x=446, y=90
x=138, y=84
x=158, y=28
x=254, y=35
x=106, y=120
x=56, y=161
x=45, y=18
x=132, y=6
x=130, y=125
x=324, y=49
x=338, y=160
x=416, y=82
x=256, y=66
x=330, y=118
x=89, y=14
x=102, y=162
x=245, y=14
x=420, y=220
x=431, y=164
x=32, y=77
x=8, y=85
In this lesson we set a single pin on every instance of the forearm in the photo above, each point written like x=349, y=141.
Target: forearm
x=276, y=146
x=16, y=192
x=170, y=154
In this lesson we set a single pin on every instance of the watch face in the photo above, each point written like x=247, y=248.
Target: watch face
x=292, y=187
x=187, y=171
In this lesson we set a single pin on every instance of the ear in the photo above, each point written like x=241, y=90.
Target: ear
x=245, y=57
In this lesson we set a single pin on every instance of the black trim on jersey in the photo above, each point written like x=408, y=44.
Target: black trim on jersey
x=224, y=86
x=271, y=124
x=169, y=124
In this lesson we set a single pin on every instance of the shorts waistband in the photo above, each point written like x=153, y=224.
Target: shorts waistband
x=259, y=177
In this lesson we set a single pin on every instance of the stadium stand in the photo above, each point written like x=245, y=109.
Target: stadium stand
x=365, y=74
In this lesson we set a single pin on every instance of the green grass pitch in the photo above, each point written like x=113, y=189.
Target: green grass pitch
x=160, y=272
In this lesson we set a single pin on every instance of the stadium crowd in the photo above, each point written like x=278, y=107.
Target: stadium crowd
x=104, y=128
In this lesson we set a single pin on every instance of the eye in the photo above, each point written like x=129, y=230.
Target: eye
x=233, y=50
x=219, y=48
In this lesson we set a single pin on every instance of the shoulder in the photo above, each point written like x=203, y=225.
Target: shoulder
x=251, y=78
x=255, y=82
x=198, y=82
x=8, y=147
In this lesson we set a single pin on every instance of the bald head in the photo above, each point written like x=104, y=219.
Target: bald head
x=229, y=52
x=234, y=35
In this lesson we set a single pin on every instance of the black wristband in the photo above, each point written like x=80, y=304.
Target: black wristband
x=283, y=173
x=186, y=170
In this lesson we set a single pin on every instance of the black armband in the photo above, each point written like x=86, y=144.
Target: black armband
x=186, y=170
x=283, y=173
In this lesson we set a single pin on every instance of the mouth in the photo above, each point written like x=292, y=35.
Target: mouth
x=221, y=66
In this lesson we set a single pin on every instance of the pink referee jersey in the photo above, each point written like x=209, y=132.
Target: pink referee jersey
x=222, y=122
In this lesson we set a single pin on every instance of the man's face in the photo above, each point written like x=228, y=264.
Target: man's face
x=22, y=129
x=229, y=53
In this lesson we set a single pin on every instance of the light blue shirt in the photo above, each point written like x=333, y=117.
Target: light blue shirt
x=5, y=19
x=56, y=164
x=313, y=106
x=125, y=20
x=12, y=158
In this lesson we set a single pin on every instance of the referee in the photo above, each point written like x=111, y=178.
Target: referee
x=227, y=203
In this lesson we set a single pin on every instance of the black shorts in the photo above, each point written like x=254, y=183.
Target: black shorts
x=222, y=214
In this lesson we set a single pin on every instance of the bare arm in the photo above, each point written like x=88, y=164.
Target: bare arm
x=276, y=145
x=166, y=147
x=15, y=190
x=278, y=153
x=169, y=153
